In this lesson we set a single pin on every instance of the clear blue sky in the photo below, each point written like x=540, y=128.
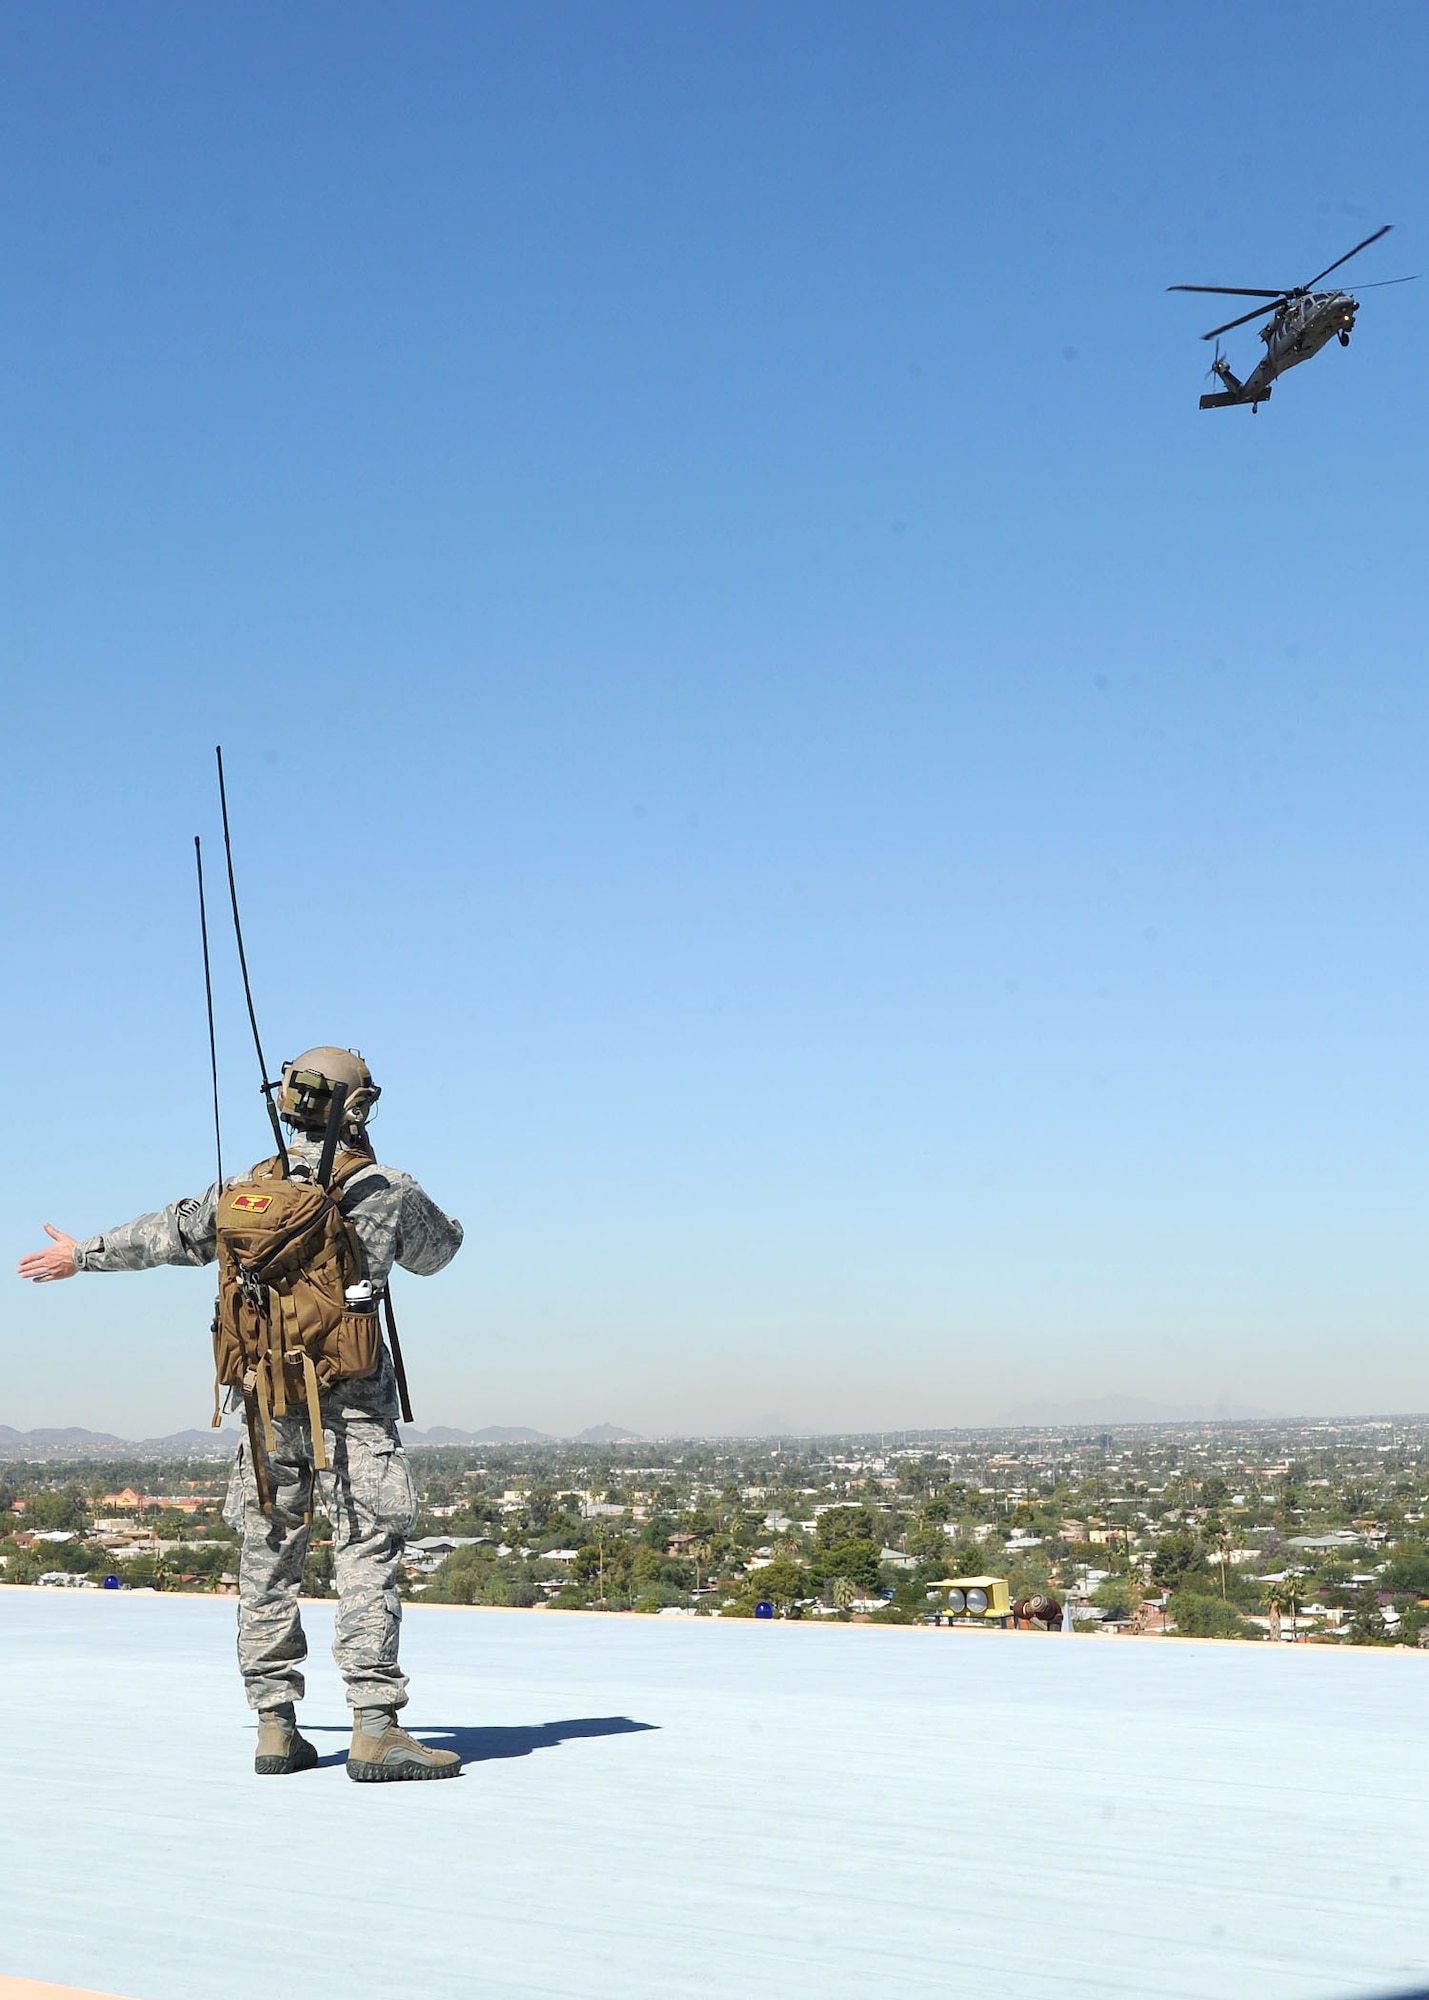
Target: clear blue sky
x=878, y=854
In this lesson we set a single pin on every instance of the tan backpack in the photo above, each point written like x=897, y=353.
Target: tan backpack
x=284, y=1328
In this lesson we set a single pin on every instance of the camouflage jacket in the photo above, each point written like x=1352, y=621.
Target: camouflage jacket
x=396, y=1223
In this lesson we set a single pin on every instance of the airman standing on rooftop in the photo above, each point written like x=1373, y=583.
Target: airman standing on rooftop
x=305, y=1244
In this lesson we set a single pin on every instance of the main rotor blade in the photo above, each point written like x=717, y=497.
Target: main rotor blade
x=1235, y=291
x=1347, y=256
x=1259, y=313
x=1374, y=287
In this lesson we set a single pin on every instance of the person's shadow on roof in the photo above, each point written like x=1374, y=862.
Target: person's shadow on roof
x=484, y=1746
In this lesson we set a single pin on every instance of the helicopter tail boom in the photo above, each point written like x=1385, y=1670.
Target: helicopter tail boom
x=1228, y=397
x=1232, y=389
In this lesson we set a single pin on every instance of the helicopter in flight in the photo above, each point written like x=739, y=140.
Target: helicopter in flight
x=1302, y=321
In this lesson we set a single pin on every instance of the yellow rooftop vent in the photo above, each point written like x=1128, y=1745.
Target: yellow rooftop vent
x=974, y=1596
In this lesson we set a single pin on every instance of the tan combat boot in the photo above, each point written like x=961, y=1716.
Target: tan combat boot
x=382, y=1753
x=280, y=1748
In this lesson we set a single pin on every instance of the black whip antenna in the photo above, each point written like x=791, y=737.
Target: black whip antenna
x=266, y=1086
x=332, y=1134
x=208, y=996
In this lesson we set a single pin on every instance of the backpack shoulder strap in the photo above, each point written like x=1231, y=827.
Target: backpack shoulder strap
x=398, y=1366
x=348, y=1168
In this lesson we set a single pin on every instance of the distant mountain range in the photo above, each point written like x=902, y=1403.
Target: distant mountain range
x=520, y=1434
x=1127, y=1410
x=70, y=1441
x=493, y=1434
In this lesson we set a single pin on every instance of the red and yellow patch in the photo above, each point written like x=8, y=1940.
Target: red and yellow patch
x=253, y=1203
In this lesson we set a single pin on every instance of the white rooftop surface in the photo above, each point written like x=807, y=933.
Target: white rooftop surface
x=660, y=1806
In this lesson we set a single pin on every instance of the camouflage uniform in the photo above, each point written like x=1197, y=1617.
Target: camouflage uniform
x=367, y=1495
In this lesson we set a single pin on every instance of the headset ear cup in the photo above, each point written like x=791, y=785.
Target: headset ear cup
x=359, y=1110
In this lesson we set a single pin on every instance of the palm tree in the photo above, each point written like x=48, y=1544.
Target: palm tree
x=699, y=1556
x=1237, y=1540
x=1217, y=1540
x=1277, y=1597
x=600, y=1558
x=1295, y=1585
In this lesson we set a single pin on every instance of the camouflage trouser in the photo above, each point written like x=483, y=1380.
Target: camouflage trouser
x=368, y=1497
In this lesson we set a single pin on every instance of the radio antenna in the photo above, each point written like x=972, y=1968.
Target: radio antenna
x=208, y=996
x=265, y=1085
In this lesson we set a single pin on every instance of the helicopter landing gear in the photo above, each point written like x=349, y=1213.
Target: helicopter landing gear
x=1344, y=340
x=1255, y=409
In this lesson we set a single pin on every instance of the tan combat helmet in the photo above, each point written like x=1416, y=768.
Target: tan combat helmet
x=305, y=1094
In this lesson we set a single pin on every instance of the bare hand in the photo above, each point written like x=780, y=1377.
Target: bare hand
x=56, y=1262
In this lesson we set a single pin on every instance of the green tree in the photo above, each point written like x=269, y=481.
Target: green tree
x=1178, y=1559
x=854, y=1523
x=64, y=1510
x=1115, y=1595
x=857, y=1560
x=459, y=1578
x=507, y=1590
x=1367, y=1626
x=646, y=1564
x=1201, y=1617
x=783, y=1582
x=1408, y=1567
x=659, y=1596
x=23, y=1565
x=927, y=1541
x=965, y=1558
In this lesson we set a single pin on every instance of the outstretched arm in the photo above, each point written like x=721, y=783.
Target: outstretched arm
x=397, y=1223
x=56, y=1260
x=182, y=1233
x=427, y=1239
